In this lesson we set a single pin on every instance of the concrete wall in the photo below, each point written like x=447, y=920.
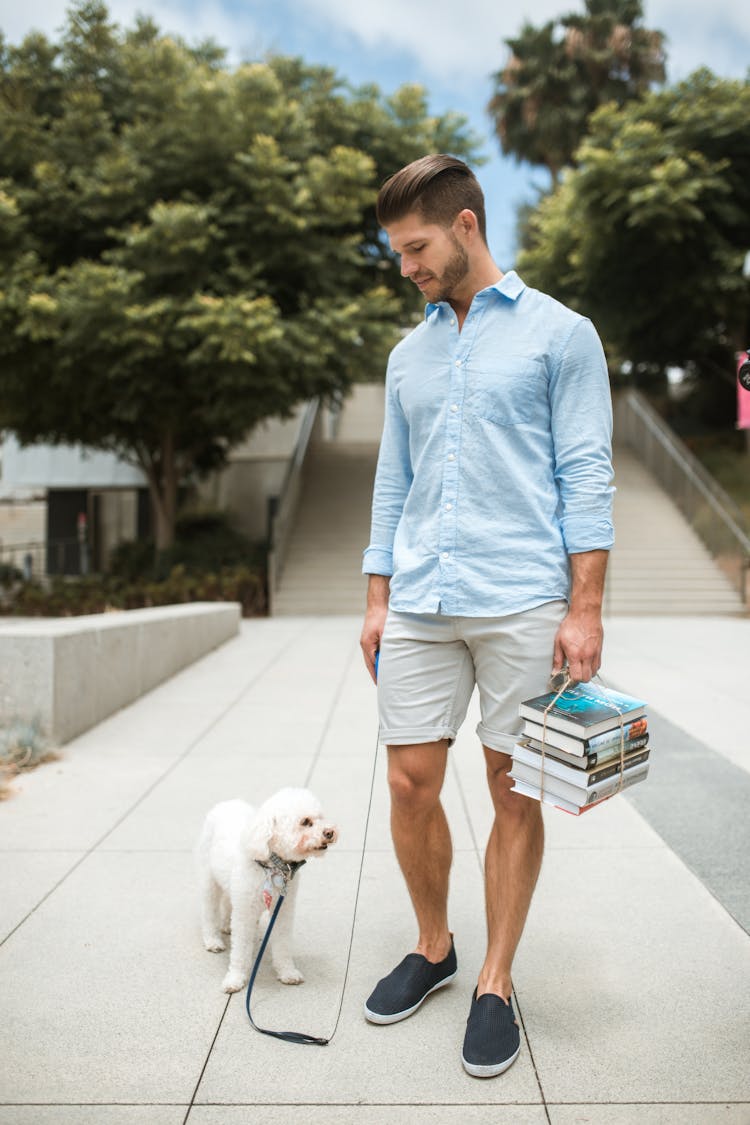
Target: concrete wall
x=70, y=673
x=243, y=489
x=22, y=522
x=118, y=521
x=255, y=473
x=62, y=466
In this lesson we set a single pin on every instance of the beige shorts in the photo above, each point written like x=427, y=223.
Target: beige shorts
x=429, y=665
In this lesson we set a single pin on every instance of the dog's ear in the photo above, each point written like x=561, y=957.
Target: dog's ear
x=259, y=833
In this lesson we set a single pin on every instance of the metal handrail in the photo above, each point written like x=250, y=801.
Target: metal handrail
x=40, y=558
x=286, y=508
x=708, y=508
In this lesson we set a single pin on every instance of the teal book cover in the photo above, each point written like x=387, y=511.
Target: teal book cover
x=584, y=705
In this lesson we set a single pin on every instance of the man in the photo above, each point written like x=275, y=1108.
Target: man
x=491, y=525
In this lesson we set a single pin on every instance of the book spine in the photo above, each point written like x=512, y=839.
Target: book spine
x=529, y=789
x=580, y=746
x=607, y=753
x=559, y=787
x=550, y=799
x=595, y=776
x=601, y=742
x=564, y=742
x=612, y=786
x=589, y=761
x=582, y=719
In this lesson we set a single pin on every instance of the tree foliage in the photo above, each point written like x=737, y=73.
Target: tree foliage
x=648, y=234
x=187, y=248
x=558, y=74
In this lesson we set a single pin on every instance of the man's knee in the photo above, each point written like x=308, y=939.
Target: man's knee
x=415, y=775
x=501, y=785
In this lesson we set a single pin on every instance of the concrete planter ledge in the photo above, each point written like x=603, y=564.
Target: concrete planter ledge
x=70, y=673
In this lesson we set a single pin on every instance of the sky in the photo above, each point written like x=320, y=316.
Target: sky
x=452, y=49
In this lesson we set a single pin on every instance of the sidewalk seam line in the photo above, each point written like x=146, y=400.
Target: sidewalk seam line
x=207, y=1060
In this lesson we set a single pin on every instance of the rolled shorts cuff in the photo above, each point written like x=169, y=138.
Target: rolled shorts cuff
x=503, y=743
x=416, y=737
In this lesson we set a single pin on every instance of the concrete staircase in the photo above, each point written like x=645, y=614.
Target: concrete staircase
x=659, y=566
x=322, y=570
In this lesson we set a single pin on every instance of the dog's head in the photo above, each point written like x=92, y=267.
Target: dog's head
x=292, y=825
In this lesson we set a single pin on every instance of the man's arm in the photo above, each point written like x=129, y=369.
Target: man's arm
x=579, y=639
x=393, y=479
x=581, y=433
x=378, y=590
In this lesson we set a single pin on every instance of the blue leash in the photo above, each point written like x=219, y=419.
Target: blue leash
x=281, y=885
x=289, y=1036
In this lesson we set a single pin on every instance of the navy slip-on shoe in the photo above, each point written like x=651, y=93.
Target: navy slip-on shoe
x=400, y=993
x=493, y=1040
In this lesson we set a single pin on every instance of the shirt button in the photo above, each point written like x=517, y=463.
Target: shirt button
x=449, y=507
x=446, y=555
x=451, y=456
x=458, y=363
x=454, y=408
x=451, y=322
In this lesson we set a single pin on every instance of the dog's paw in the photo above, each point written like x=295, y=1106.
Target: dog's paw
x=290, y=974
x=233, y=982
x=214, y=944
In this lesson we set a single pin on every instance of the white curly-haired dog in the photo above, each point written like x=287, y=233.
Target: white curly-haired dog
x=241, y=856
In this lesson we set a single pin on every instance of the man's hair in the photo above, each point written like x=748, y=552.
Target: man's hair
x=437, y=187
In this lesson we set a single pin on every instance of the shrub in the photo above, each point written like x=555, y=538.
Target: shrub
x=9, y=574
x=205, y=542
x=66, y=597
x=22, y=747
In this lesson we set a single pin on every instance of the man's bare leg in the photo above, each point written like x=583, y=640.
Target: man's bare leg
x=422, y=839
x=512, y=863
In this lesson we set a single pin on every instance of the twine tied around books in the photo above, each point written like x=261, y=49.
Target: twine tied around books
x=566, y=684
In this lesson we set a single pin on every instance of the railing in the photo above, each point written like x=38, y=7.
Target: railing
x=286, y=506
x=708, y=508
x=40, y=558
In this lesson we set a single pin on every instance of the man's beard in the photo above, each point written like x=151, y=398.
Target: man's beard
x=456, y=269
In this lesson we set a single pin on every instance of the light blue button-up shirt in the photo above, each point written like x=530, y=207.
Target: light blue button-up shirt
x=495, y=462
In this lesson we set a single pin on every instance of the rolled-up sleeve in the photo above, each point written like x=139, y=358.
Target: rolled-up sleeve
x=393, y=480
x=581, y=409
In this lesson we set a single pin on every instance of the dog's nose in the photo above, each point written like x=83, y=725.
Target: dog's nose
x=328, y=834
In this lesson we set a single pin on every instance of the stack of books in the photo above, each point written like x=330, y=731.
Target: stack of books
x=592, y=736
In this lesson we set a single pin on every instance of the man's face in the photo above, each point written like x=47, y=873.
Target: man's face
x=431, y=256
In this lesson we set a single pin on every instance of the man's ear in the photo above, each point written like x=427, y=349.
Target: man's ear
x=466, y=224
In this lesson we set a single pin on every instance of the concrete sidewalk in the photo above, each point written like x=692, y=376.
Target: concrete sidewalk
x=632, y=981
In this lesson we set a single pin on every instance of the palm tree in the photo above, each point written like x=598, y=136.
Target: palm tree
x=558, y=74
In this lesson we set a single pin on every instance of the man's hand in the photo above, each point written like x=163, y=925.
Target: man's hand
x=579, y=645
x=378, y=590
x=579, y=639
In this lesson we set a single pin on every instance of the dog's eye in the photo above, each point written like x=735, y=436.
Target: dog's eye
x=307, y=823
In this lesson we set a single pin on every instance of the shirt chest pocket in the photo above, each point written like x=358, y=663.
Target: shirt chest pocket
x=507, y=391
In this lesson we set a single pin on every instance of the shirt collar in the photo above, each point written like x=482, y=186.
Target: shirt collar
x=509, y=286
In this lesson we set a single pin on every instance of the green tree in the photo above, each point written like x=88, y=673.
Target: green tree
x=186, y=248
x=558, y=74
x=648, y=234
